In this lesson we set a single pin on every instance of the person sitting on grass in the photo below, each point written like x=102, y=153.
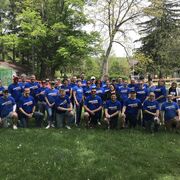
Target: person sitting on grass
x=151, y=113
x=64, y=110
x=27, y=110
x=92, y=106
x=112, y=112
x=8, y=110
x=171, y=114
x=131, y=110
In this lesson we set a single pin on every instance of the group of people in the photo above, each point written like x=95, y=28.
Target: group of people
x=115, y=103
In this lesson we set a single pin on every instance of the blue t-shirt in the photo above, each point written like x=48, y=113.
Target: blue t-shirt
x=87, y=91
x=124, y=92
x=6, y=106
x=151, y=89
x=151, y=106
x=72, y=85
x=22, y=84
x=100, y=92
x=51, y=95
x=83, y=82
x=132, y=106
x=159, y=91
x=118, y=86
x=170, y=109
x=79, y=93
x=112, y=107
x=27, y=104
x=132, y=87
x=141, y=94
x=106, y=89
x=34, y=88
x=93, y=102
x=15, y=90
x=67, y=89
x=1, y=90
x=63, y=102
x=93, y=85
x=43, y=90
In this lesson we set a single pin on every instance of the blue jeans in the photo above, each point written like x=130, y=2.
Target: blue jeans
x=38, y=119
x=64, y=118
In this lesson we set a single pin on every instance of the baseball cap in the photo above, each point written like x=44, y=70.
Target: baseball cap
x=93, y=77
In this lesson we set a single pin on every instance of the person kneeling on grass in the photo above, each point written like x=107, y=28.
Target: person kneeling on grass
x=92, y=106
x=171, y=114
x=27, y=110
x=151, y=113
x=112, y=112
x=64, y=111
x=8, y=110
x=131, y=110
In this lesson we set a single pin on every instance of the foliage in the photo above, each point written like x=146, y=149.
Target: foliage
x=160, y=36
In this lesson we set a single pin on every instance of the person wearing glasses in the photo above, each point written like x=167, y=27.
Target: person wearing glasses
x=92, y=107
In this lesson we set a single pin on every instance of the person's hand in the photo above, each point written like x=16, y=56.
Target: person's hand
x=108, y=116
x=123, y=115
x=0, y=121
x=30, y=115
x=92, y=113
x=77, y=104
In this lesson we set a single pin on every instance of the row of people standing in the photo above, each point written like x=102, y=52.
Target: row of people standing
x=78, y=91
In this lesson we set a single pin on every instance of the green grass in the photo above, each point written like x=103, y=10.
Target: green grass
x=88, y=154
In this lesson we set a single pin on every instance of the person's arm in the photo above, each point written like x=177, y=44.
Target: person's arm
x=107, y=114
x=88, y=110
x=74, y=95
x=162, y=116
x=26, y=114
x=115, y=114
x=149, y=112
x=71, y=92
x=49, y=104
x=178, y=112
x=123, y=111
x=98, y=109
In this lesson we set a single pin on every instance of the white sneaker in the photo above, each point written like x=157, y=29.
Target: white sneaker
x=52, y=125
x=68, y=127
x=15, y=127
x=99, y=123
x=48, y=126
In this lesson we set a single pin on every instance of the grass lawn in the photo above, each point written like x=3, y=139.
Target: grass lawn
x=88, y=154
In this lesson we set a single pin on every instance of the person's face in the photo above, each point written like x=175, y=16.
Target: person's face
x=74, y=79
x=23, y=78
x=161, y=83
x=93, y=81
x=113, y=97
x=88, y=83
x=125, y=83
x=15, y=80
x=93, y=92
x=133, y=95
x=174, y=85
x=63, y=93
x=141, y=84
x=5, y=94
x=26, y=92
x=152, y=97
x=169, y=98
x=111, y=87
x=98, y=84
x=33, y=78
x=132, y=81
x=66, y=82
x=52, y=86
x=43, y=84
x=82, y=76
x=120, y=80
x=79, y=83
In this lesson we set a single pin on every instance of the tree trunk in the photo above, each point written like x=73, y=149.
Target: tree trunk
x=105, y=67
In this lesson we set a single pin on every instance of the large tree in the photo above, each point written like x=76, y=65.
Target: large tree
x=160, y=33
x=115, y=18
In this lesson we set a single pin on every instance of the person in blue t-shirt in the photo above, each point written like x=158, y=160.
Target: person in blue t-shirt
x=124, y=92
x=92, y=106
x=132, y=86
x=142, y=92
x=93, y=82
x=27, y=109
x=34, y=87
x=8, y=110
x=160, y=92
x=23, y=81
x=1, y=88
x=83, y=81
x=151, y=113
x=87, y=89
x=50, y=97
x=119, y=84
x=132, y=110
x=112, y=112
x=15, y=89
x=99, y=89
x=64, y=111
x=171, y=113
x=41, y=97
x=107, y=86
x=67, y=88
x=78, y=99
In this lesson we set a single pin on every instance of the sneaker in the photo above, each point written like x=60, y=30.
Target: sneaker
x=48, y=126
x=15, y=127
x=52, y=125
x=99, y=123
x=68, y=127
